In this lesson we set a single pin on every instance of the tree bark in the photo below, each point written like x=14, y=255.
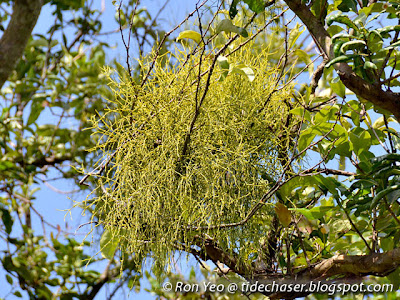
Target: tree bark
x=13, y=42
x=342, y=268
x=337, y=269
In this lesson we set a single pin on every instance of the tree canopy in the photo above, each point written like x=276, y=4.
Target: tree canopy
x=260, y=136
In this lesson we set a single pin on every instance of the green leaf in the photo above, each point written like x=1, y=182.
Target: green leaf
x=303, y=56
x=9, y=279
x=340, y=226
x=394, y=277
x=370, y=65
x=334, y=29
x=388, y=29
x=325, y=115
x=243, y=70
x=6, y=165
x=232, y=9
x=121, y=18
x=227, y=26
x=314, y=213
x=361, y=19
x=329, y=184
x=343, y=149
x=336, y=48
x=44, y=292
x=386, y=172
x=357, y=201
x=320, y=9
x=348, y=5
x=189, y=34
x=395, y=195
x=384, y=160
x=7, y=219
x=243, y=32
x=108, y=244
x=342, y=35
x=383, y=193
x=223, y=62
x=338, y=87
x=380, y=122
x=375, y=7
x=306, y=138
x=360, y=143
x=339, y=18
x=134, y=282
x=396, y=142
x=36, y=109
x=256, y=6
x=294, y=35
x=300, y=111
x=374, y=34
x=342, y=58
x=294, y=183
x=41, y=42
x=283, y=214
x=352, y=45
x=375, y=43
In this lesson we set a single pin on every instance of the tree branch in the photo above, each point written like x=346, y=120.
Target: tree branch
x=51, y=160
x=216, y=254
x=377, y=264
x=14, y=40
x=343, y=266
x=330, y=172
x=103, y=279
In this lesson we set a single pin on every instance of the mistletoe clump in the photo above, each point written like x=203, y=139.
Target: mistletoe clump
x=193, y=147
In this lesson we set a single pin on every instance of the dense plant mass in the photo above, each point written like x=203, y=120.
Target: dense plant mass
x=196, y=146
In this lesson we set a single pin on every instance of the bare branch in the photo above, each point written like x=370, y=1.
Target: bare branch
x=216, y=253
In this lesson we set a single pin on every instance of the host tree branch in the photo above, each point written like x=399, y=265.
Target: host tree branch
x=14, y=39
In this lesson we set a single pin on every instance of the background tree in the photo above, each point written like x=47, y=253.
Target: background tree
x=266, y=207
x=158, y=196
x=52, y=84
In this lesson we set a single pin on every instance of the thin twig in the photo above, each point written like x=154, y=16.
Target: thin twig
x=99, y=169
x=391, y=211
x=353, y=225
x=163, y=40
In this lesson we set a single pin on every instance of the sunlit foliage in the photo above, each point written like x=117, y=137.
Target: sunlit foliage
x=194, y=146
